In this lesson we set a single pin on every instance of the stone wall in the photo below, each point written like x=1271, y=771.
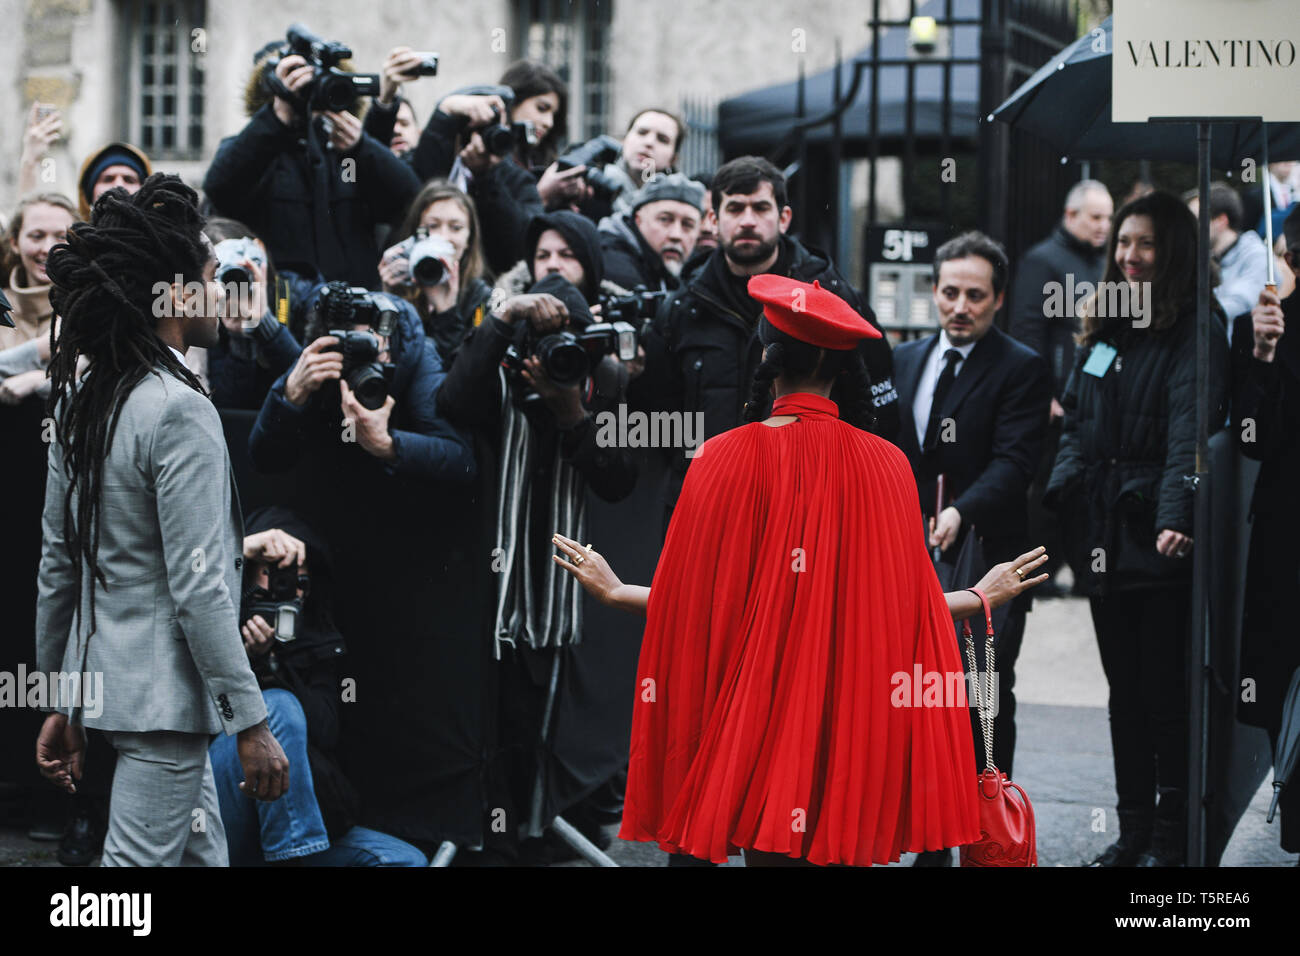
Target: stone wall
x=74, y=53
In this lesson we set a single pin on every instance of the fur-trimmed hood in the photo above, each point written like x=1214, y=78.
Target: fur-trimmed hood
x=83, y=188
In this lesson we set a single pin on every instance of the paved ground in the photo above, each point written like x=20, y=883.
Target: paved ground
x=1063, y=758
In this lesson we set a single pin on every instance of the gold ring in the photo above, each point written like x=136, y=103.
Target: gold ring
x=588, y=548
x=1020, y=573
x=578, y=559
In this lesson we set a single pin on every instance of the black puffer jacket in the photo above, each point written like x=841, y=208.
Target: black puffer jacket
x=702, y=349
x=315, y=214
x=1127, y=442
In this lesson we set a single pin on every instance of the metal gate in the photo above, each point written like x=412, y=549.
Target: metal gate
x=958, y=171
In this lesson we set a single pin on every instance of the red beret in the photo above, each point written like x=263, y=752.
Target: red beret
x=810, y=313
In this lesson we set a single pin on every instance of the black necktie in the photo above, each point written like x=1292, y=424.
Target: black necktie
x=941, y=389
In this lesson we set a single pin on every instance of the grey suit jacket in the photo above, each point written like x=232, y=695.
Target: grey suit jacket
x=171, y=549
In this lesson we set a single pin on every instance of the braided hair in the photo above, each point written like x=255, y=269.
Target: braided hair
x=103, y=280
x=800, y=361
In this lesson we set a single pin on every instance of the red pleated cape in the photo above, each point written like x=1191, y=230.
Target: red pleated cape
x=792, y=612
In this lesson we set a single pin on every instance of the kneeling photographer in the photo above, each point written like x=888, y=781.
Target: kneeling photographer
x=302, y=172
x=296, y=650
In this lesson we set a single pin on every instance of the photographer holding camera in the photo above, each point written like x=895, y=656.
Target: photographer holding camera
x=391, y=118
x=302, y=172
x=527, y=382
x=437, y=265
x=381, y=419
x=613, y=170
x=487, y=139
x=263, y=306
x=296, y=652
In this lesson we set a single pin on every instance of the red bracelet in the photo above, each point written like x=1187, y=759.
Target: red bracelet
x=988, y=611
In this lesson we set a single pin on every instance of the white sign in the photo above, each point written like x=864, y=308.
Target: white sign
x=1205, y=58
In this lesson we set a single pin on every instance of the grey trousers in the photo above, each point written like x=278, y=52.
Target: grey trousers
x=164, y=809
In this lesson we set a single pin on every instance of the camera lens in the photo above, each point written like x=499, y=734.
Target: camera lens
x=237, y=274
x=427, y=270
x=334, y=93
x=368, y=385
x=564, y=360
x=498, y=140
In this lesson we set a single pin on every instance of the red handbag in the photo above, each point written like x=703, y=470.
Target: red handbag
x=1007, y=836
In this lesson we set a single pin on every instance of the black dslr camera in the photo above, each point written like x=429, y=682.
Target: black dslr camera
x=330, y=88
x=594, y=154
x=278, y=602
x=342, y=306
x=568, y=357
x=500, y=137
x=635, y=308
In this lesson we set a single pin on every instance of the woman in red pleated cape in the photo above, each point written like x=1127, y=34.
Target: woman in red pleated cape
x=793, y=609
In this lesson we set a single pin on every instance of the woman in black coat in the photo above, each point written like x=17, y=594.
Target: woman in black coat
x=504, y=188
x=458, y=303
x=1266, y=418
x=1128, y=441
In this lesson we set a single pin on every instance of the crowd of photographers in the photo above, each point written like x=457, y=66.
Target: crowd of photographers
x=425, y=318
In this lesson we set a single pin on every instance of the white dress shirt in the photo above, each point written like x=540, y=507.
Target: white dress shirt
x=930, y=373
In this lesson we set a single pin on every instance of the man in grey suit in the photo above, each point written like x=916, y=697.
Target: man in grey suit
x=142, y=557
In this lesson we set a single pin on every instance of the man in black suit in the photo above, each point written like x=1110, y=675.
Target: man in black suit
x=973, y=409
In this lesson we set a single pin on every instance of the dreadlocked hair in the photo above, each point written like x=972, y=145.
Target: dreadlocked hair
x=798, y=361
x=104, y=281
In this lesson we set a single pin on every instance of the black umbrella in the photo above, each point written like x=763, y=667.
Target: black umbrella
x=1288, y=742
x=1068, y=104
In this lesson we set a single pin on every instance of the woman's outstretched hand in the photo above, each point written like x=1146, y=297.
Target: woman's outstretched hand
x=597, y=577
x=1002, y=584
x=592, y=571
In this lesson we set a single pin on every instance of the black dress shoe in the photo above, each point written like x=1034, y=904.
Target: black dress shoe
x=83, y=841
x=1162, y=856
x=933, y=858
x=1123, y=852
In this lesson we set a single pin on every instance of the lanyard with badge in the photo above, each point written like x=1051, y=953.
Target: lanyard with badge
x=1099, y=362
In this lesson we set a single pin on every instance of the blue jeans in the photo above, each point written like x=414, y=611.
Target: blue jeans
x=259, y=832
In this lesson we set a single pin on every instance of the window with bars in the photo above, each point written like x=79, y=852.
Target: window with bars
x=168, y=45
x=572, y=38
